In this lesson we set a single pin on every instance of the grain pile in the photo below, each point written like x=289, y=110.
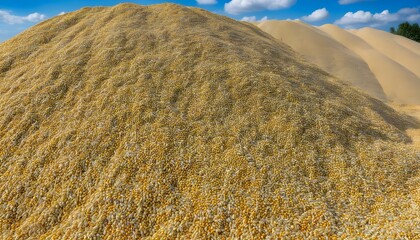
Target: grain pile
x=414, y=111
x=172, y=122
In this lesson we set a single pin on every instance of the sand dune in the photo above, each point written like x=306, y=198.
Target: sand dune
x=386, y=43
x=375, y=61
x=399, y=83
x=394, y=60
x=412, y=45
x=325, y=52
x=366, y=58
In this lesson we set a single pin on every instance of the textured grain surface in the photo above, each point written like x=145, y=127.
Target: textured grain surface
x=168, y=122
x=414, y=111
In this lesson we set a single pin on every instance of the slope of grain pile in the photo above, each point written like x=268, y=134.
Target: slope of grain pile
x=166, y=121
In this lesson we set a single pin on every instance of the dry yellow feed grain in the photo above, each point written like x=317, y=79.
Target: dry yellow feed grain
x=165, y=122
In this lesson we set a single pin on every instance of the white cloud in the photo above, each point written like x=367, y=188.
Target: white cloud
x=62, y=13
x=362, y=18
x=239, y=6
x=206, y=2
x=317, y=15
x=9, y=18
x=344, y=2
x=254, y=19
x=408, y=11
x=34, y=17
x=414, y=18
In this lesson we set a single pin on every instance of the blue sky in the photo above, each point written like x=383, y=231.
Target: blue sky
x=16, y=16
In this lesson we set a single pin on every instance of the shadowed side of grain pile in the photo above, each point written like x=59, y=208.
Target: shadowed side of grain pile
x=168, y=122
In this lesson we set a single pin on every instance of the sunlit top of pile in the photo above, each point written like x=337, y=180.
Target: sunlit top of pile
x=166, y=121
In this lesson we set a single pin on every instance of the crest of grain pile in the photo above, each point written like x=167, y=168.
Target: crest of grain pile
x=169, y=122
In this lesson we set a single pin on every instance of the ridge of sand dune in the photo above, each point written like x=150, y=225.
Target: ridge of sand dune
x=399, y=83
x=319, y=48
x=409, y=44
x=167, y=122
x=386, y=43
